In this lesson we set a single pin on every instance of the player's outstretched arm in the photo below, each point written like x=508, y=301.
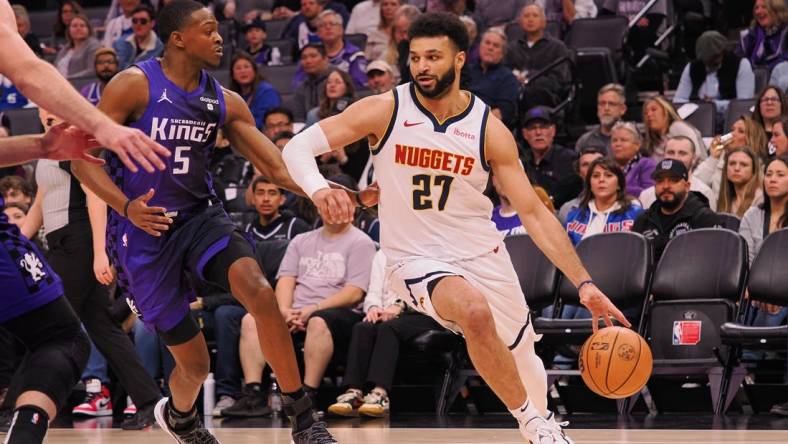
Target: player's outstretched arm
x=240, y=129
x=61, y=142
x=365, y=118
x=541, y=224
x=42, y=83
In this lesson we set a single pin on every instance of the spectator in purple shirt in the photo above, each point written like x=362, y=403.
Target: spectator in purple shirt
x=625, y=145
x=106, y=64
x=766, y=42
x=343, y=55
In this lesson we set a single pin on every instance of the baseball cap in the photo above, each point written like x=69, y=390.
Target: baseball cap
x=379, y=65
x=256, y=23
x=537, y=113
x=103, y=51
x=672, y=167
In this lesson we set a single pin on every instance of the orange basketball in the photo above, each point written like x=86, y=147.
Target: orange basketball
x=615, y=362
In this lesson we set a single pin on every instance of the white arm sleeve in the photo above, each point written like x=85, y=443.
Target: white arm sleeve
x=299, y=156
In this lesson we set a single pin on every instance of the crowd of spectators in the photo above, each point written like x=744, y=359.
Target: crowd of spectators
x=642, y=168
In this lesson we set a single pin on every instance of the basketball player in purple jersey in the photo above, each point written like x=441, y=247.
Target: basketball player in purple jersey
x=32, y=306
x=169, y=224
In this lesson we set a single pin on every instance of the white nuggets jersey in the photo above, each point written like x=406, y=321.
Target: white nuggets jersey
x=432, y=175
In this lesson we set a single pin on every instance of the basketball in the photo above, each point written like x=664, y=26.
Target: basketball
x=615, y=362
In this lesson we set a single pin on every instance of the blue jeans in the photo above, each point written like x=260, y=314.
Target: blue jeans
x=156, y=359
x=762, y=318
x=96, y=366
x=227, y=332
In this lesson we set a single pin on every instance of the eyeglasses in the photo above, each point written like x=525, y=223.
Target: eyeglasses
x=328, y=24
x=770, y=99
x=106, y=62
x=139, y=21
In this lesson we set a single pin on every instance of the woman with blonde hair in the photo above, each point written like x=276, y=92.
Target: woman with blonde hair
x=766, y=42
x=661, y=121
x=378, y=39
x=741, y=188
x=745, y=132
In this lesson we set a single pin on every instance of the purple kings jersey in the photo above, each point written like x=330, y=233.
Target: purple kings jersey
x=28, y=281
x=186, y=123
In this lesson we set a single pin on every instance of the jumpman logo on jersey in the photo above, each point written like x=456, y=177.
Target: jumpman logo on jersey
x=33, y=265
x=164, y=97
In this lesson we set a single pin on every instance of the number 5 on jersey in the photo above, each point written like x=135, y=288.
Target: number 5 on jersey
x=181, y=160
x=422, y=191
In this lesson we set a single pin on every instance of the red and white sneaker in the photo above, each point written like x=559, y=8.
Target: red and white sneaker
x=97, y=401
x=130, y=409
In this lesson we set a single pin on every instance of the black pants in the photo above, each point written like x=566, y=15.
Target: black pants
x=11, y=354
x=71, y=256
x=374, y=348
x=57, y=350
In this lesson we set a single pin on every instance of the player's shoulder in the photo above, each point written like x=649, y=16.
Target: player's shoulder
x=129, y=79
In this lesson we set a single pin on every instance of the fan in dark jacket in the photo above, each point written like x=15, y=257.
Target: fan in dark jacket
x=676, y=210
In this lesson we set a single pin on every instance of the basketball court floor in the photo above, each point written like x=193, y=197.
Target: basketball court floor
x=460, y=429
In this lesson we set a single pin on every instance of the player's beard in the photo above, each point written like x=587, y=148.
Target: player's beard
x=442, y=85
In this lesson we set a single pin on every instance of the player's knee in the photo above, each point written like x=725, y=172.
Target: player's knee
x=81, y=349
x=478, y=319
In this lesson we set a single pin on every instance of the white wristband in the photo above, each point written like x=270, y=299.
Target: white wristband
x=299, y=157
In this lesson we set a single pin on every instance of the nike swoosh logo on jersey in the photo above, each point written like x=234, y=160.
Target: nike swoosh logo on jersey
x=408, y=124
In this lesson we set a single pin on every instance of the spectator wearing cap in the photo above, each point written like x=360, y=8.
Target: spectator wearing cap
x=625, y=146
x=534, y=52
x=255, y=33
x=611, y=105
x=380, y=77
x=716, y=75
x=315, y=64
x=492, y=81
x=681, y=148
x=106, y=66
x=547, y=164
x=676, y=210
x=342, y=54
x=143, y=43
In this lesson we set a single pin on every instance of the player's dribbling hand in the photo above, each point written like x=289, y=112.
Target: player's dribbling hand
x=334, y=206
x=148, y=219
x=67, y=142
x=600, y=307
x=131, y=143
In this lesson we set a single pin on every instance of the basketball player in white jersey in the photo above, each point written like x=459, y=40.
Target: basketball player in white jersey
x=434, y=146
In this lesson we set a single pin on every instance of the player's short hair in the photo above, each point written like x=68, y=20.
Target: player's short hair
x=173, y=16
x=439, y=24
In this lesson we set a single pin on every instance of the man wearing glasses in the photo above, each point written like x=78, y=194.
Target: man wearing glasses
x=611, y=105
x=143, y=43
x=342, y=54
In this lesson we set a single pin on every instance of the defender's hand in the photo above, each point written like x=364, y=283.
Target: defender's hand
x=67, y=142
x=131, y=143
x=149, y=219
